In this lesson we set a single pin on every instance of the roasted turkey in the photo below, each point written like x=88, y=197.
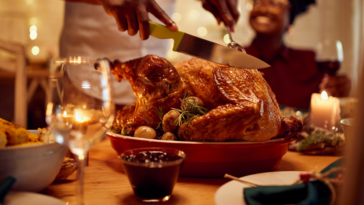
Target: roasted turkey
x=242, y=107
x=157, y=86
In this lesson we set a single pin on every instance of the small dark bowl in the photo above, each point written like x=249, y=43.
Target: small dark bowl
x=152, y=181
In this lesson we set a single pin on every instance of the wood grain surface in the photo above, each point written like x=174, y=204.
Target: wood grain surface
x=106, y=183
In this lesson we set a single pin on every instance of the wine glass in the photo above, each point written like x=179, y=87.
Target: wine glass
x=80, y=107
x=329, y=56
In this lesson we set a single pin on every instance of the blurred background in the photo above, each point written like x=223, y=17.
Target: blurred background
x=36, y=25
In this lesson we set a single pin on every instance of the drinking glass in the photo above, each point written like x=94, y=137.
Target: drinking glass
x=80, y=107
x=329, y=56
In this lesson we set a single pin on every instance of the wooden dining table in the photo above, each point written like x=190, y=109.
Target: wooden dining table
x=107, y=184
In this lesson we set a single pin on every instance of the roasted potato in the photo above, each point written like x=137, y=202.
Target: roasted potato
x=169, y=121
x=145, y=132
x=169, y=136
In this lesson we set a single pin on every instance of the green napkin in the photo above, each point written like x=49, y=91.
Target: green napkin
x=311, y=193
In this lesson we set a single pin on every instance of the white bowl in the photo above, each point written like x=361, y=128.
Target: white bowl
x=34, y=167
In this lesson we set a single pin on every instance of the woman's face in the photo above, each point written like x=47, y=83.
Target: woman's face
x=270, y=16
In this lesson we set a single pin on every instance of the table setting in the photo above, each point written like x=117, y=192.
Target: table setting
x=192, y=124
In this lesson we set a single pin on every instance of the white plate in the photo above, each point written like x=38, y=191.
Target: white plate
x=28, y=198
x=232, y=192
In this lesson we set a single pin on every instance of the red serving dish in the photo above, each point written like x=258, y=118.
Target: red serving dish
x=214, y=159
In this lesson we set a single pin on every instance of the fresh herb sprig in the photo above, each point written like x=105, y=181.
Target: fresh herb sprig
x=318, y=137
x=190, y=111
x=160, y=114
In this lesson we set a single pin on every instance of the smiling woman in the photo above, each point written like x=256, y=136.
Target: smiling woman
x=293, y=75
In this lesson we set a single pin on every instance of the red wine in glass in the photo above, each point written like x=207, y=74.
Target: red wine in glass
x=329, y=67
x=329, y=56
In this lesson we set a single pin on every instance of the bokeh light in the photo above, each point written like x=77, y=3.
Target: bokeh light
x=202, y=31
x=176, y=17
x=29, y=2
x=33, y=35
x=172, y=55
x=194, y=14
x=33, y=21
x=35, y=50
x=226, y=39
x=33, y=28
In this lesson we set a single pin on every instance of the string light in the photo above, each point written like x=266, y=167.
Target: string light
x=202, y=31
x=33, y=32
x=33, y=28
x=33, y=35
x=35, y=50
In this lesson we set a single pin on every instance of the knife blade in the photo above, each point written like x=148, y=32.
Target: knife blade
x=201, y=48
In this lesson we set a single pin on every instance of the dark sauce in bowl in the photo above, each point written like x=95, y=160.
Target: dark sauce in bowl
x=152, y=173
x=151, y=156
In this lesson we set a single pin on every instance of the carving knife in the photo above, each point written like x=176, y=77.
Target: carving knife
x=201, y=48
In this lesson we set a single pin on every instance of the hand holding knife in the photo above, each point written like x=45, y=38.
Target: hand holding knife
x=194, y=46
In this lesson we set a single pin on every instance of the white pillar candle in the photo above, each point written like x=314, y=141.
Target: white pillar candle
x=325, y=110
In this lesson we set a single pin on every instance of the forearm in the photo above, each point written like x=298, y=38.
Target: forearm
x=98, y=2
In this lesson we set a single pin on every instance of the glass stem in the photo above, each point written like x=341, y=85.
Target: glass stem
x=80, y=175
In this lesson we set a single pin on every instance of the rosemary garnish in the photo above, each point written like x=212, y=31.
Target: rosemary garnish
x=318, y=137
x=190, y=111
x=160, y=114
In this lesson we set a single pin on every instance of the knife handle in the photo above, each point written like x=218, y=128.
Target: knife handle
x=162, y=32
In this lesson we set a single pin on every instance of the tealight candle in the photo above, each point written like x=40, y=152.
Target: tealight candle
x=325, y=110
x=81, y=124
x=67, y=119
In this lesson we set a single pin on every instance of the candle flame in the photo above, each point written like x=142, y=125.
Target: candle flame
x=64, y=114
x=324, y=95
x=78, y=118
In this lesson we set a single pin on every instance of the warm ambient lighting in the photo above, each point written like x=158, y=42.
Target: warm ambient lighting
x=194, y=14
x=64, y=114
x=33, y=35
x=324, y=95
x=33, y=21
x=202, y=31
x=35, y=50
x=325, y=110
x=78, y=118
x=29, y=2
x=176, y=17
x=33, y=28
x=76, y=60
x=226, y=39
x=172, y=55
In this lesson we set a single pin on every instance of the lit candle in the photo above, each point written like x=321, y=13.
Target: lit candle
x=81, y=124
x=67, y=119
x=325, y=110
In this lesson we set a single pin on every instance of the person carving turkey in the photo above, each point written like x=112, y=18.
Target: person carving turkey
x=240, y=104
